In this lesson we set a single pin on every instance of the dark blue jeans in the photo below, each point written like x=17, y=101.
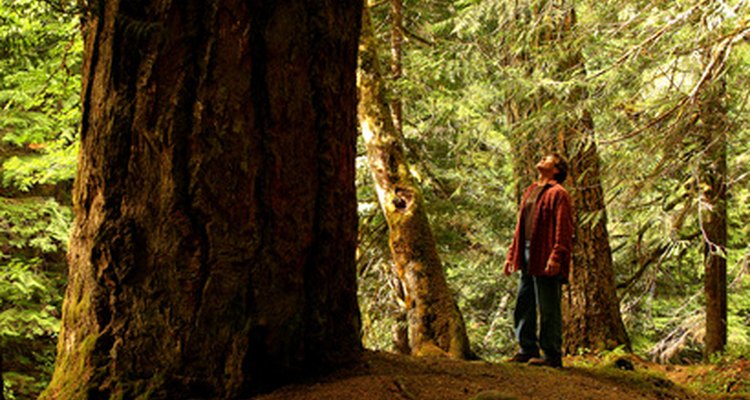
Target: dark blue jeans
x=545, y=293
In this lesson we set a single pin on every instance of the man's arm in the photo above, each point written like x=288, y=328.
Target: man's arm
x=563, y=234
x=509, y=267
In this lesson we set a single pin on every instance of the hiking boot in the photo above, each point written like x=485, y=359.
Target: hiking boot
x=522, y=357
x=546, y=362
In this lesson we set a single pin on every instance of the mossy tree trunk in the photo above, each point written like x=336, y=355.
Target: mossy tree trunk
x=712, y=128
x=591, y=311
x=212, y=254
x=435, y=324
x=396, y=13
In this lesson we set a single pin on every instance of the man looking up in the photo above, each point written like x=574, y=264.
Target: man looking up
x=541, y=249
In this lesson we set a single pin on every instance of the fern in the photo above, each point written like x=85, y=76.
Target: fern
x=40, y=62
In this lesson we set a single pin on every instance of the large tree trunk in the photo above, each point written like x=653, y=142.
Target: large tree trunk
x=435, y=323
x=713, y=214
x=591, y=311
x=212, y=253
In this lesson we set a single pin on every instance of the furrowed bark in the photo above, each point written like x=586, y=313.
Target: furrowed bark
x=212, y=254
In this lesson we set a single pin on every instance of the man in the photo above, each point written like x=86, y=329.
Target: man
x=541, y=250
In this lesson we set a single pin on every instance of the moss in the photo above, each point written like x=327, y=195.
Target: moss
x=645, y=381
x=72, y=368
x=70, y=380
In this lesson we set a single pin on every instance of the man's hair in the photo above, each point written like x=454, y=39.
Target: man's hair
x=562, y=166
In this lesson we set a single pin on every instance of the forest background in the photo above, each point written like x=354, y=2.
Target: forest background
x=647, y=66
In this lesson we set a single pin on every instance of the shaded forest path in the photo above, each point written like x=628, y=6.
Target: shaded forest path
x=388, y=376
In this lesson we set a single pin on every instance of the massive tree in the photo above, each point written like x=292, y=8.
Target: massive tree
x=435, y=325
x=212, y=252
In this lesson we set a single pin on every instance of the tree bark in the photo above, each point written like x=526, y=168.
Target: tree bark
x=591, y=312
x=713, y=214
x=212, y=254
x=401, y=328
x=435, y=324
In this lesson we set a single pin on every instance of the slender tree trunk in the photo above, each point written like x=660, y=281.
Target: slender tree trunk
x=435, y=323
x=401, y=329
x=397, y=18
x=212, y=254
x=713, y=214
x=591, y=312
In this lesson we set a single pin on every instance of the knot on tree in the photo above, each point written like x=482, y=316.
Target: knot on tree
x=402, y=198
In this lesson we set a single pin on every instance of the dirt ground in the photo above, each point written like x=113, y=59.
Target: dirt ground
x=388, y=376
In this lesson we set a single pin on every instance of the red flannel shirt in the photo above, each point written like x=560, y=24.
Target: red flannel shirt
x=552, y=232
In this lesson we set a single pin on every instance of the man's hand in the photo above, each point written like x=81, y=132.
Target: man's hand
x=508, y=268
x=553, y=268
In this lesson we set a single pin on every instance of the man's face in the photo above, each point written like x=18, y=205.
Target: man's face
x=547, y=164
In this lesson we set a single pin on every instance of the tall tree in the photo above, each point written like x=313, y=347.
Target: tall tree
x=591, y=309
x=712, y=184
x=212, y=252
x=712, y=129
x=435, y=325
x=396, y=13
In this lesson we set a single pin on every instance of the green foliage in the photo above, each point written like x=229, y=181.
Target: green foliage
x=29, y=301
x=739, y=320
x=655, y=197
x=40, y=62
x=52, y=167
x=34, y=225
x=39, y=94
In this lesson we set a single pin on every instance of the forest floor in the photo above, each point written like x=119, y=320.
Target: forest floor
x=387, y=376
